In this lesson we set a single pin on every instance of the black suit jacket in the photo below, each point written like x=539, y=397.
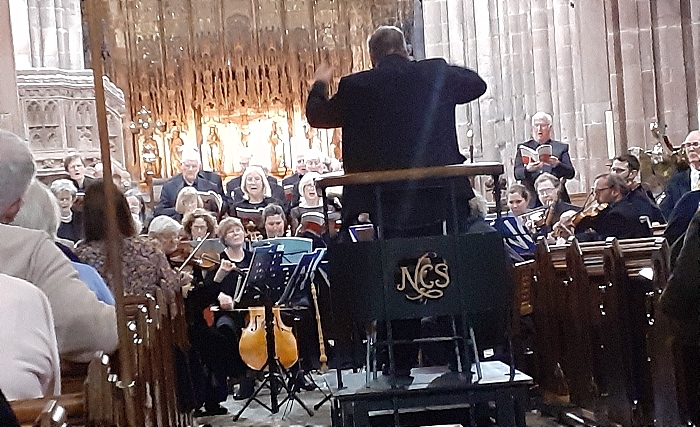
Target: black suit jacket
x=398, y=115
x=619, y=220
x=680, y=216
x=168, y=195
x=646, y=205
x=677, y=186
x=562, y=170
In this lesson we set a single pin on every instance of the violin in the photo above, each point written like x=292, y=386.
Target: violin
x=187, y=255
x=589, y=212
x=253, y=343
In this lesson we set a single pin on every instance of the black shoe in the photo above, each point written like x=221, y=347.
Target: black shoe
x=246, y=388
x=303, y=383
x=210, y=411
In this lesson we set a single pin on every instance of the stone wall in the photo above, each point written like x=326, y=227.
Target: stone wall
x=605, y=69
x=58, y=109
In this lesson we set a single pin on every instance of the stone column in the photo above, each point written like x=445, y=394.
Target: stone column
x=10, y=114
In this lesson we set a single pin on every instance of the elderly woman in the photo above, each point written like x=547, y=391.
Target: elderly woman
x=71, y=227
x=165, y=231
x=145, y=267
x=187, y=201
x=307, y=219
x=198, y=223
x=256, y=195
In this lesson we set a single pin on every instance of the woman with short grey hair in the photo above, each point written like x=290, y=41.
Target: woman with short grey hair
x=66, y=193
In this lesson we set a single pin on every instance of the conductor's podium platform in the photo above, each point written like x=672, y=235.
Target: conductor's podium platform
x=460, y=273
x=431, y=396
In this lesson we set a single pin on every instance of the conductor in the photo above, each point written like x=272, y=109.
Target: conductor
x=398, y=115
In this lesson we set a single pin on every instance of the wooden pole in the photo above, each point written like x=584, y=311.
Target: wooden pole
x=114, y=239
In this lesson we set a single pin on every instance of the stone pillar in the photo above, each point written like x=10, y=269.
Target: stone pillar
x=10, y=114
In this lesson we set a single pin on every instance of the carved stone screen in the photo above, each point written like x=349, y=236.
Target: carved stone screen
x=232, y=76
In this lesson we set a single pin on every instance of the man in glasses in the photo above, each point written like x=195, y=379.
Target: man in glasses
x=686, y=180
x=684, y=188
x=558, y=163
x=617, y=216
x=626, y=167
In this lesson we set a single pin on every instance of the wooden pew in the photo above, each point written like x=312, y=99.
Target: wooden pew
x=548, y=293
x=524, y=278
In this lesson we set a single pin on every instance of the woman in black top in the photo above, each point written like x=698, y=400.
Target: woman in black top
x=256, y=196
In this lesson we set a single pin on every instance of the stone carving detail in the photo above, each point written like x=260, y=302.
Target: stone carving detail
x=59, y=109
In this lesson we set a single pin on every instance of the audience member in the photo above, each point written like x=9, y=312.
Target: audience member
x=137, y=206
x=558, y=164
x=83, y=324
x=40, y=211
x=683, y=180
x=144, y=265
x=29, y=353
x=71, y=227
x=75, y=166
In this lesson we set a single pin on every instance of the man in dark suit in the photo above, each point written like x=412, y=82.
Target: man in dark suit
x=400, y=114
x=619, y=219
x=559, y=164
x=681, y=215
x=626, y=167
x=683, y=180
x=191, y=176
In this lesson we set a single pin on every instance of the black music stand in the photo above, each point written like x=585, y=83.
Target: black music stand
x=296, y=291
x=265, y=268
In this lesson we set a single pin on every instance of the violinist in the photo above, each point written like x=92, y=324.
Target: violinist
x=617, y=216
x=224, y=281
x=512, y=226
x=626, y=167
x=548, y=192
x=198, y=224
x=165, y=231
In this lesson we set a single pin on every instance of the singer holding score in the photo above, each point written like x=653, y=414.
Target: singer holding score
x=554, y=160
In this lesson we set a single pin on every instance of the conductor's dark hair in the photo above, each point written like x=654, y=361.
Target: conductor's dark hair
x=95, y=212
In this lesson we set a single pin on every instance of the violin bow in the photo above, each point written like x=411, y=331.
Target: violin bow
x=192, y=254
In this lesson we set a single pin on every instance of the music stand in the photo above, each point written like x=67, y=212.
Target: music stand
x=265, y=268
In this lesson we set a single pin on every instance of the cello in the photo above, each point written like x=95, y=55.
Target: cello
x=253, y=345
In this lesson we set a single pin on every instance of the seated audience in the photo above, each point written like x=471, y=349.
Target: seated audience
x=619, y=217
x=191, y=176
x=71, y=227
x=31, y=255
x=40, y=211
x=626, y=167
x=275, y=221
x=198, y=223
x=29, y=353
x=137, y=206
x=683, y=180
x=144, y=265
x=75, y=166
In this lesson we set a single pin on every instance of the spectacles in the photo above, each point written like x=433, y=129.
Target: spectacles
x=600, y=190
x=544, y=191
x=694, y=144
x=618, y=171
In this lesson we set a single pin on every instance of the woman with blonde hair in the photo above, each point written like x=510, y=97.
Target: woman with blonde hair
x=257, y=194
x=187, y=200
